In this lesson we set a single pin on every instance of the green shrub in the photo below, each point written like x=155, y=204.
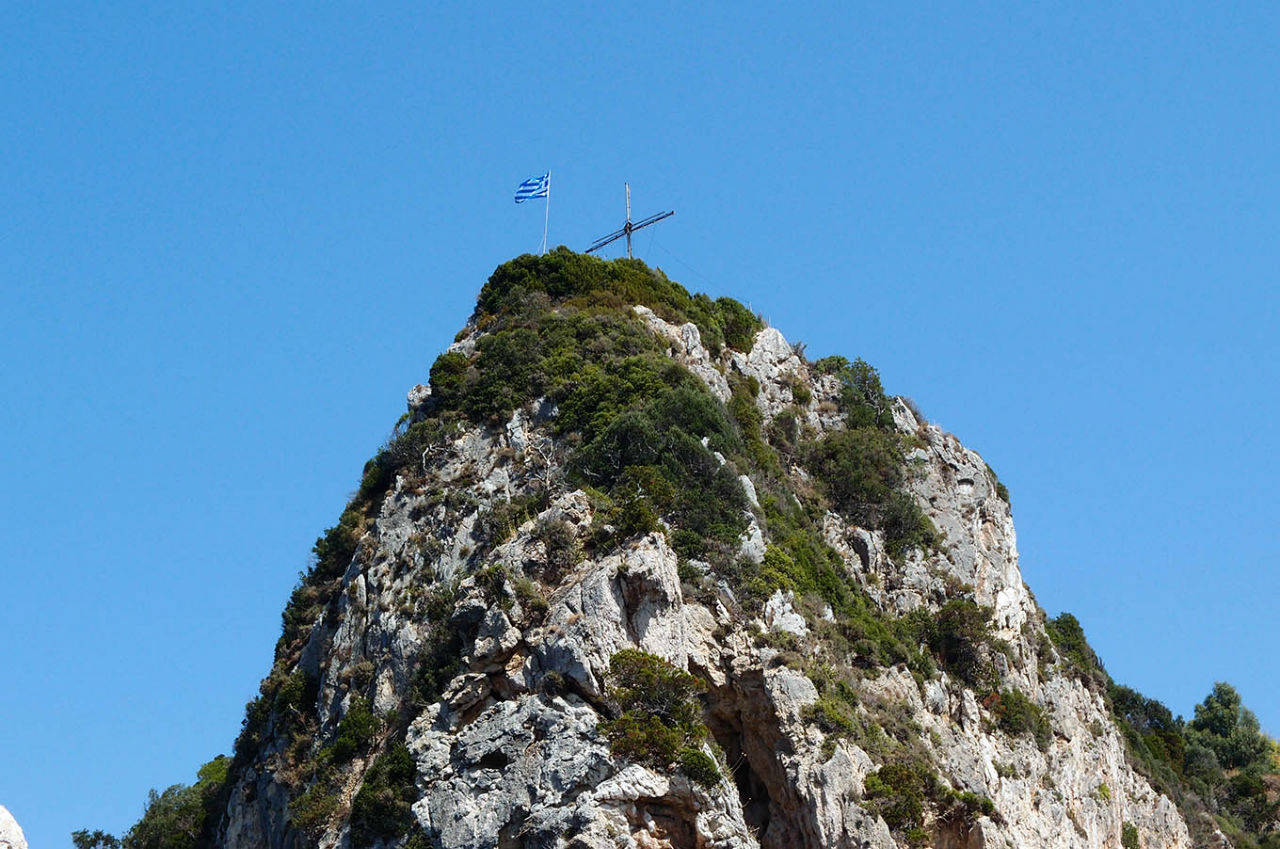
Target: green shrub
x=689, y=407
x=861, y=394
x=1246, y=798
x=563, y=274
x=799, y=560
x=801, y=393
x=491, y=581
x=311, y=810
x=784, y=434
x=1077, y=655
x=333, y=551
x=905, y=526
x=897, y=793
x=500, y=520
x=561, y=545
x=449, y=378
x=305, y=604
x=592, y=363
x=597, y=393
x=179, y=818
x=406, y=450
x=1017, y=714
x=830, y=365
x=860, y=469
x=565, y=277
x=382, y=808
x=355, y=731
x=1153, y=737
x=862, y=472
x=652, y=467
x=917, y=837
x=645, y=683
x=507, y=373
x=1200, y=766
x=660, y=715
x=700, y=767
x=1129, y=836
x=689, y=545
x=296, y=695
x=831, y=715
x=756, y=451
x=973, y=805
x=439, y=662
x=256, y=715
x=962, y=806
x=644, y=739
x=739, y=323
x=960, y=638
x=531, y=597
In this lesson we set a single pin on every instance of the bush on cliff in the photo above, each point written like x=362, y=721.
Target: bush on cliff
x=181, y=816
x=660, y=718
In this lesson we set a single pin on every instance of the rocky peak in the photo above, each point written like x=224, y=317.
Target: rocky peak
x=636, y=573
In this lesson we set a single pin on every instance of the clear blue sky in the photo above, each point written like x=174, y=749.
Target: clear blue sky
x=233, y=235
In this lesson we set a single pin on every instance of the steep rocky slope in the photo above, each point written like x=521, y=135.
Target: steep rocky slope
x=611, y=492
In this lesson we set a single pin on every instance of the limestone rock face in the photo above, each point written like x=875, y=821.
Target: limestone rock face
x=506, y=749
x=11, y=836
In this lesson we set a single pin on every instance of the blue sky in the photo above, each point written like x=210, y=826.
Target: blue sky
x=233, y=235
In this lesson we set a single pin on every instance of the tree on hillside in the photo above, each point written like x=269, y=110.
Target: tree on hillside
x=96, y=839
x=1223, y=724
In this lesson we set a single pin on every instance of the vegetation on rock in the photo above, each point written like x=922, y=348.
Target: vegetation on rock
x=863, y=468
x=182, y=817
x=1218, y=767
x=382, y=807
x=659, y=720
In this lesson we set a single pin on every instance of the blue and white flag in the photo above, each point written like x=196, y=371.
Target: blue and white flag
x=534, y=187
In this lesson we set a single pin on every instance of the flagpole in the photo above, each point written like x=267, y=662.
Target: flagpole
x=547, y=217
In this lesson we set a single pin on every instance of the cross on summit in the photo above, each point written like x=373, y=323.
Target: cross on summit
x=628, y=228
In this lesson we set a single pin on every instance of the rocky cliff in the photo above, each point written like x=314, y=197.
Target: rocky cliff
x=610, y=492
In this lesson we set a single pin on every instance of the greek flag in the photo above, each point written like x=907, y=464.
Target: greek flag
x=534, y=187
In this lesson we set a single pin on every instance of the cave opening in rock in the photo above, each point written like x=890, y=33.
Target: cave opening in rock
x=753, y=792
x=754, y=795
x=742, y=720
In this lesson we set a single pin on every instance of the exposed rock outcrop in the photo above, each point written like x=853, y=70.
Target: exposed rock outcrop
x=11, y=836
x=515, y=625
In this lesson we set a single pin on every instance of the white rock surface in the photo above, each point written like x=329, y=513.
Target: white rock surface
x=687, y=348
x=11, y=836
x=781, y=615
x=775, y=366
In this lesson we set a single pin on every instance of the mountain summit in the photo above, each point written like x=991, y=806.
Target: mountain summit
x=634, y=572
